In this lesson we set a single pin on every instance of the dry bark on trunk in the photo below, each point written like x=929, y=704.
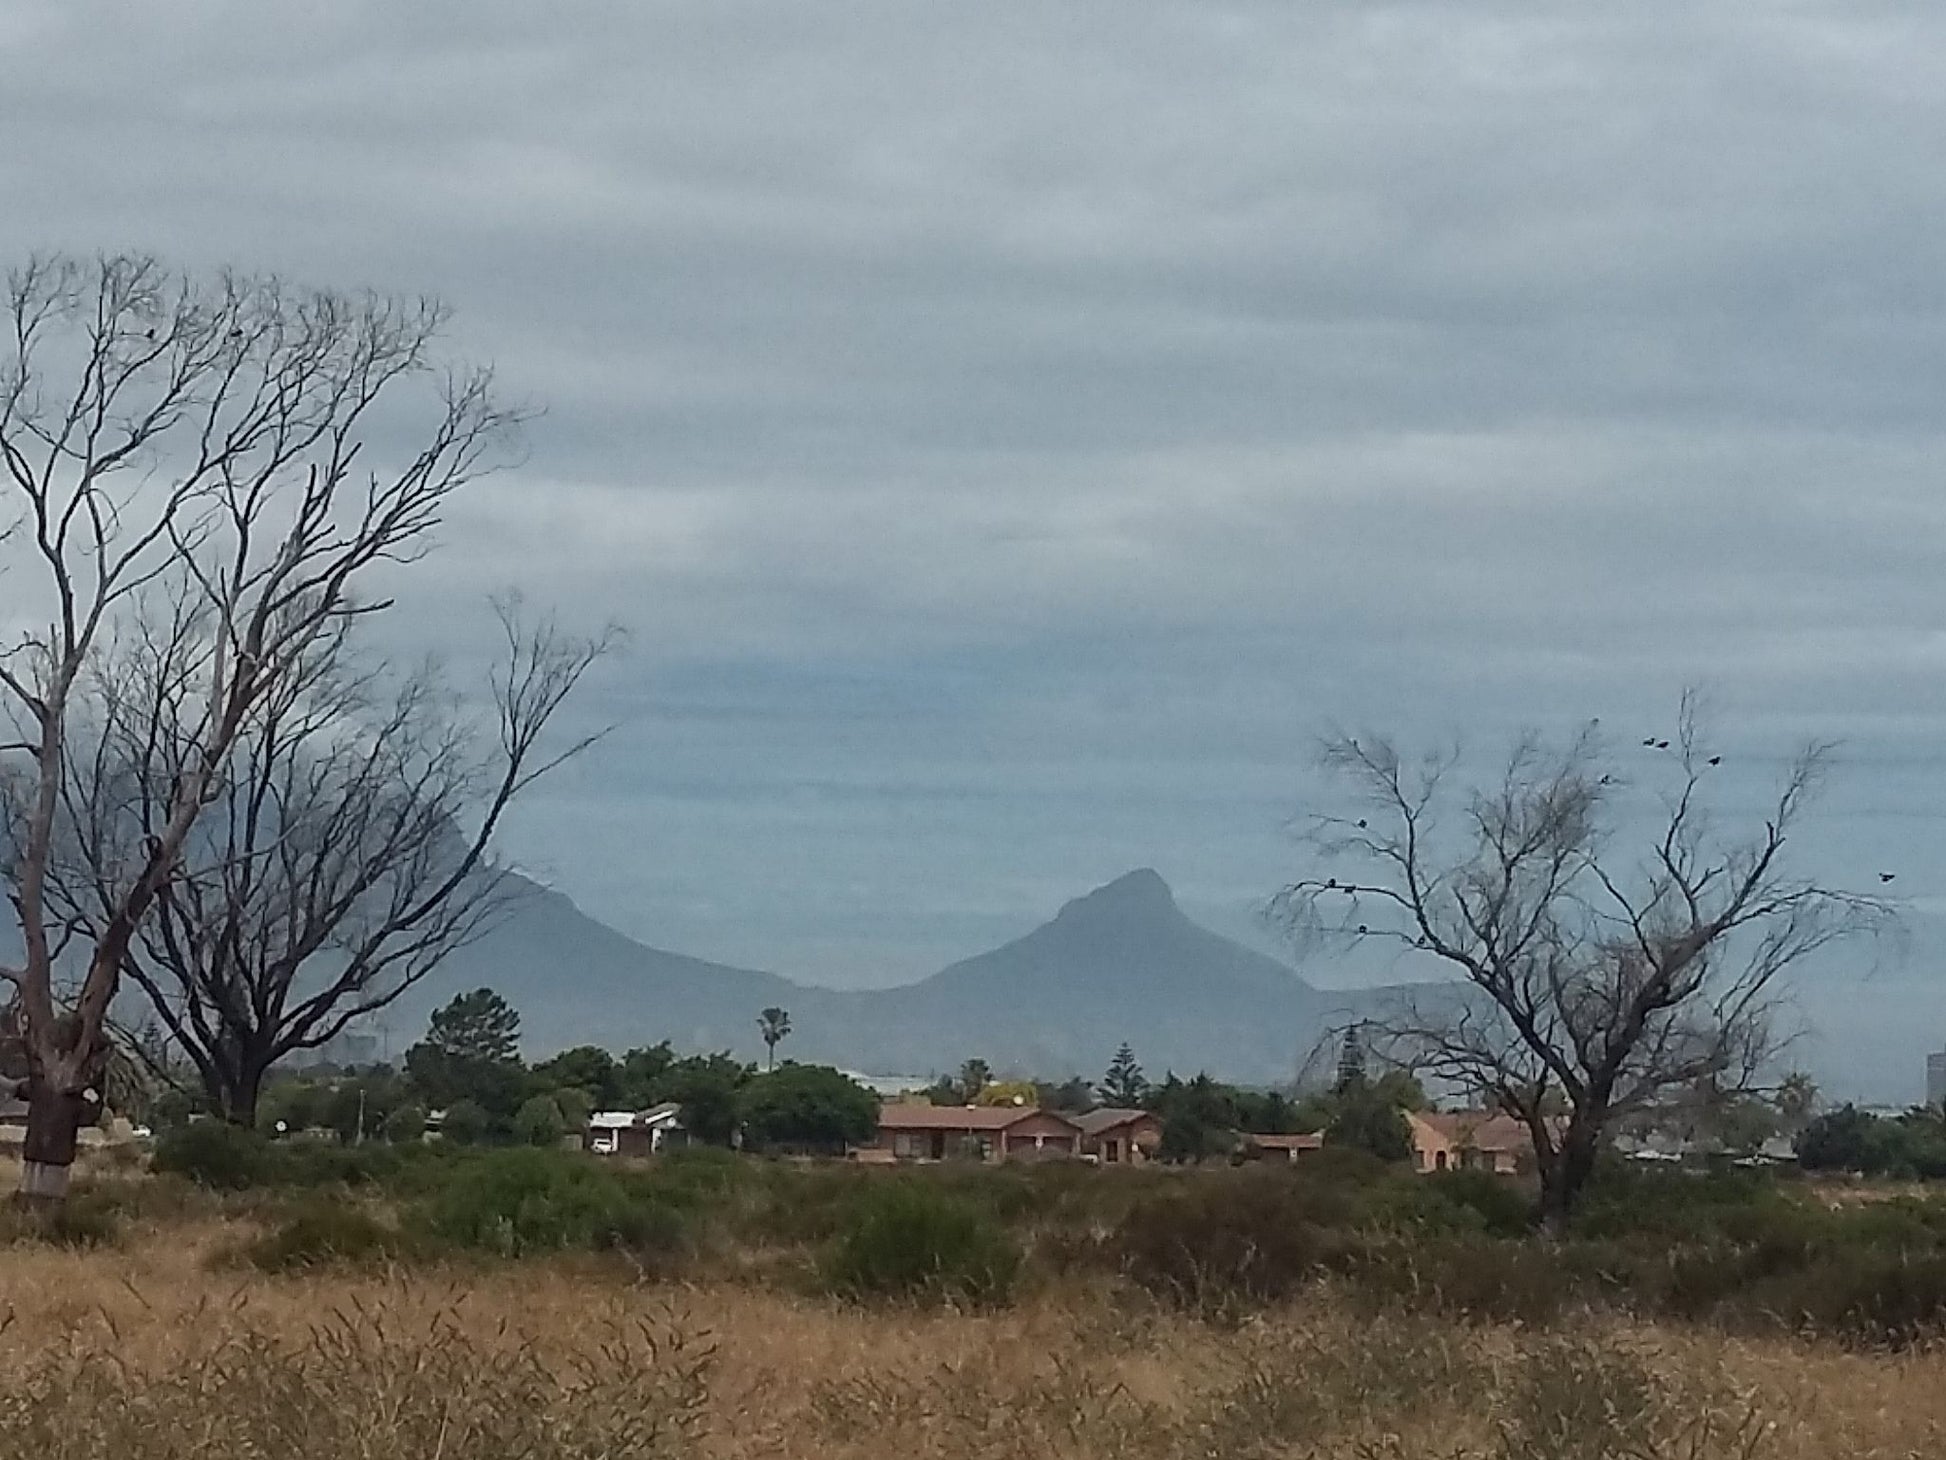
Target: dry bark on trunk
x=54, y=1121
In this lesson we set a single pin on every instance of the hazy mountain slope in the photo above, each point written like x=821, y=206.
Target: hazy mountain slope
x=1122, y=962
x=578, y=981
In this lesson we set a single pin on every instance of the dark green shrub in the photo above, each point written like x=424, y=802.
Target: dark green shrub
x=1225, y=1240
x=216, y=1155
x=909, y=1239
x=522, y=1201
x=1865, y=1295
x=326, y=1232
x=1454, y=1202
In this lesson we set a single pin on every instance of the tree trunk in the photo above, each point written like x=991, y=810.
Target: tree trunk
x=238, y=1103
x=1563, y=1178
x=54, y=1119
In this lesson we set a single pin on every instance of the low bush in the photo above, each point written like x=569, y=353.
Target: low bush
x=323, y=1233
x=216, y=1155
x=521, y=1201
x=909, y=1239
x=1227, y=1240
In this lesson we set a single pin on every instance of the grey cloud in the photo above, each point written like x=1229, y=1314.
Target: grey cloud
x=1011, y=431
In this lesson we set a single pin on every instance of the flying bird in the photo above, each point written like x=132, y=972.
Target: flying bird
x=1716, y=760
x=1887, y=876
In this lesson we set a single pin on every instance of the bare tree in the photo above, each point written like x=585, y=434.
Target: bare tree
x=200, y=444
x=1596, y=982
x=347, y=854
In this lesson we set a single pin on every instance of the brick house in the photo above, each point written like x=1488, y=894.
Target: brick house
x=1470, y=1140
x=1283, y=1148
x=1119, y=1137
x=913, y=1132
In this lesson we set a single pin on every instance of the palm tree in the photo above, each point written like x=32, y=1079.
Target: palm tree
x=776, y=1026
x=1796, y=1101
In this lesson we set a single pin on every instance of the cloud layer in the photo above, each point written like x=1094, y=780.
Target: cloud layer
x=1012, y=433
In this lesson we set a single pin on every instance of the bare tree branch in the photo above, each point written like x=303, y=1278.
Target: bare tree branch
x=1594, y=986
x=198, y=444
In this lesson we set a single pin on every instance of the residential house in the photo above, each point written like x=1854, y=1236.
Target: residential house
x=635, y=1132
x=1283, y=1148
x=1470, y=1140
x=1117, y=1136
x=914, y=1132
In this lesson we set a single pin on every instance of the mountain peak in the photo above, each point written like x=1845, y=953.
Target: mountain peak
x=1140, y=891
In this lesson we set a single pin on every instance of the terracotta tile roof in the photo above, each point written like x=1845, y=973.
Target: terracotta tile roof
x=1107, y=1118
x=957, y=1117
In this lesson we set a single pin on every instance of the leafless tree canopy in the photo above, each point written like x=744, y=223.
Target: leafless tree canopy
x=202, y=446
x=1600, y=974
x=347, y=853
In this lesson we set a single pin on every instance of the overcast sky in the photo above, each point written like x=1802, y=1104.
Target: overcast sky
x=1012, y=432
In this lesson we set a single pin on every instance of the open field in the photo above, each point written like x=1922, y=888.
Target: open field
x=543, y=1305
x=148, y=1351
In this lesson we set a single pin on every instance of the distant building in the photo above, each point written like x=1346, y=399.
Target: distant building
x=635, y=1132
x=1470, y=1140
x=1120, y=1137
x=1936, y=1079
x=974, y=1132
x=1282, y=1148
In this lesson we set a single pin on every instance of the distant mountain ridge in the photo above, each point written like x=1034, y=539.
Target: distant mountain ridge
x=1121, y=963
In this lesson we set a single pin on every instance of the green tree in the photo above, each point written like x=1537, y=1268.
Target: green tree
x=477, y=1026
x=810, y=1107
x=471, y=1053
x=1123, y=1086
x=974, y=1076
x=1351, y=1059
x=1367, y=1119
x=643, y=1074
x=587, y=1068
x=1073, y=1096
x=1199, y=1118
x=574, y=1105
x=538, y=1122
x=466, y=1123
x=706, y=1087
x=406, y=1125
x=775, y=1026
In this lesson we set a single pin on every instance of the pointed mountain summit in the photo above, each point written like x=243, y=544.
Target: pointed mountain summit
x=1141, y=894
x=1122, y=962
x=1126, y=937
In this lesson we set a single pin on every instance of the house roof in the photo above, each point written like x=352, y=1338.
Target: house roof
x=912, y=1116
x=667, y=1113
x=1095, y=1122
x=1313, y=1141
x=1478, y=1130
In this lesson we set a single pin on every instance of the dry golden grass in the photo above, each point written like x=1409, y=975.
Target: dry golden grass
x=150, y=1350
